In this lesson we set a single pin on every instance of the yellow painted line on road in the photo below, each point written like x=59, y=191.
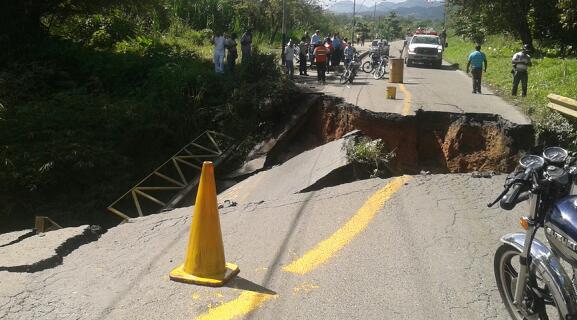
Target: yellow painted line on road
x=246, y=303
x=407, y=100
x=329, y=247
x=249, y=301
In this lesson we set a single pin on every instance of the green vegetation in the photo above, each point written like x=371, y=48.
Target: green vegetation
x=371, y=154
x=552, y=23
x=96, y=94
x=547, y=26
x=549, y=74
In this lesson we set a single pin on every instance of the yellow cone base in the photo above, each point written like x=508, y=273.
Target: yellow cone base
x=179, y=275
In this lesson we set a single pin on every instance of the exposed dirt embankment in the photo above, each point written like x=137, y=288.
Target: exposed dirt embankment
x=439, y=142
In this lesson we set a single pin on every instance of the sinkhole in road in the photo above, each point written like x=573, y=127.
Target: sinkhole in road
x=438, y=142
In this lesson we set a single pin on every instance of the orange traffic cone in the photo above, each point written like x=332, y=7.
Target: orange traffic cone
x=204, y=263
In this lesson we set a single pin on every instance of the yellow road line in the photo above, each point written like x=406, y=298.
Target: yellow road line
x=329, y=247
x=407, y=100
x=247, y=302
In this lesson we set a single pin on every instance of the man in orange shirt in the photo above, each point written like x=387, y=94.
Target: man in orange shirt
x=321, y=53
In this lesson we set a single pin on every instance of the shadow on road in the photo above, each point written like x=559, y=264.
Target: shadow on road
x=247, y=285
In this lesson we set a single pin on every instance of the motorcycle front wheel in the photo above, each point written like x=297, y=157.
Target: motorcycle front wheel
x=539, y=302
x=367, y=67
x=345, y=76
x=380, y=72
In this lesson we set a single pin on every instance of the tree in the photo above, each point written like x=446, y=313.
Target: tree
x=390, y=27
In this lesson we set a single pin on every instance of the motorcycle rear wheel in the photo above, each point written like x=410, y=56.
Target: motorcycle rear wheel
x=506, y=266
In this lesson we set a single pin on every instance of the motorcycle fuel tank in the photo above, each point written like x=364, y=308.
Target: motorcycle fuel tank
x=561, y=228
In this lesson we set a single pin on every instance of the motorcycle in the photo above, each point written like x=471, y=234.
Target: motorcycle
x=380, y=70
x=351, y=70
x=371, y=64
x=532, y=281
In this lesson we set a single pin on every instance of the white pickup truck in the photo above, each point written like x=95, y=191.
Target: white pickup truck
x=424, y=48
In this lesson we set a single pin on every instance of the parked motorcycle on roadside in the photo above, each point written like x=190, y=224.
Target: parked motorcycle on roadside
x=531, y=276
x=351, y=70
x=381, y=68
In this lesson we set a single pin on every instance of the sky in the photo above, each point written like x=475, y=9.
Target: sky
x=364, y=2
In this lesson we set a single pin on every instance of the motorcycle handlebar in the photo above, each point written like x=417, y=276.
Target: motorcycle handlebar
x=511, y=199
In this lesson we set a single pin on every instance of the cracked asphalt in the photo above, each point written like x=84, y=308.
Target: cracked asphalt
x=427, y=255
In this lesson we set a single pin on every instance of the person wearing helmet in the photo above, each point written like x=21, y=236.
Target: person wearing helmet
x=521, y=62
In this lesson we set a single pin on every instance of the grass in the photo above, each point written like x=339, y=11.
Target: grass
x=547, y=75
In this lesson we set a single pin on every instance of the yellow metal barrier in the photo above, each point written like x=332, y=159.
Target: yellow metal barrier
x=562, y=104
x=45, y=224
x=166, y=186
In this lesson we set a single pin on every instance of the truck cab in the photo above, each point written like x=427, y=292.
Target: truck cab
x=426, y=49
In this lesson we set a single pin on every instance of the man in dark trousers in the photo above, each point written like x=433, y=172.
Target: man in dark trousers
x=321, y=53
x=476, y=62
x=521, y=62
x=303, y=53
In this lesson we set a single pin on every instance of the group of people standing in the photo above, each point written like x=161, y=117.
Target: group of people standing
x=326, y=52
x=228, y=45
x=521, y=61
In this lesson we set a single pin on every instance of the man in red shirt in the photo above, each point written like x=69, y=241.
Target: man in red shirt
x=321, y=53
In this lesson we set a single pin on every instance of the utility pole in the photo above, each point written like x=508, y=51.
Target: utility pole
x=445, y=14
x=283, y=31
x=375, y=19
x=354, y=12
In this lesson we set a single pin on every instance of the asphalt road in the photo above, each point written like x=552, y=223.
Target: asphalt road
x=417, y=247
x=445, y=89
x=426, y=254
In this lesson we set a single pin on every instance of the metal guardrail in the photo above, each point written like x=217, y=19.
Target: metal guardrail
x=166, y=186
x=566, y=106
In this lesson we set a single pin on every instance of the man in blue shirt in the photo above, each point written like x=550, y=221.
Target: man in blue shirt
x=477, y=60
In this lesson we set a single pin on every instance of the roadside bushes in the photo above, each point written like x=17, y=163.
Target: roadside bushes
x=548, y=74
x=79, y=125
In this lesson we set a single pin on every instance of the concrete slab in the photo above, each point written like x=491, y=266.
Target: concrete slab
x=34, y=252
x=9, y=238
x=293, y=176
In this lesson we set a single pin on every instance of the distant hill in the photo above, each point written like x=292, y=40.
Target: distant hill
x=343, y=7
x=421, y=9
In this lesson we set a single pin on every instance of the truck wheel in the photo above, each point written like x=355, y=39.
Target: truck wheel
x=409, y=63
x=438, y=64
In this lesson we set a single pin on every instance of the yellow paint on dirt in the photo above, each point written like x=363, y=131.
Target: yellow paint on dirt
x=246, y=303
x=406, y=100
x=329, y=247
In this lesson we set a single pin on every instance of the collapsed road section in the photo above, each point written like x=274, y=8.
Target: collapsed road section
x=439, y=142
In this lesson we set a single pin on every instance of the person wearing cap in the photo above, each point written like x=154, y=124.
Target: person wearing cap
x=521, y=62
x=477, y=60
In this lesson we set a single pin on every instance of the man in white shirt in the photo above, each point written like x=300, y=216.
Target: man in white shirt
x=289, y=55
x=521, y=62
x=316, y=39
x=219, y=42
